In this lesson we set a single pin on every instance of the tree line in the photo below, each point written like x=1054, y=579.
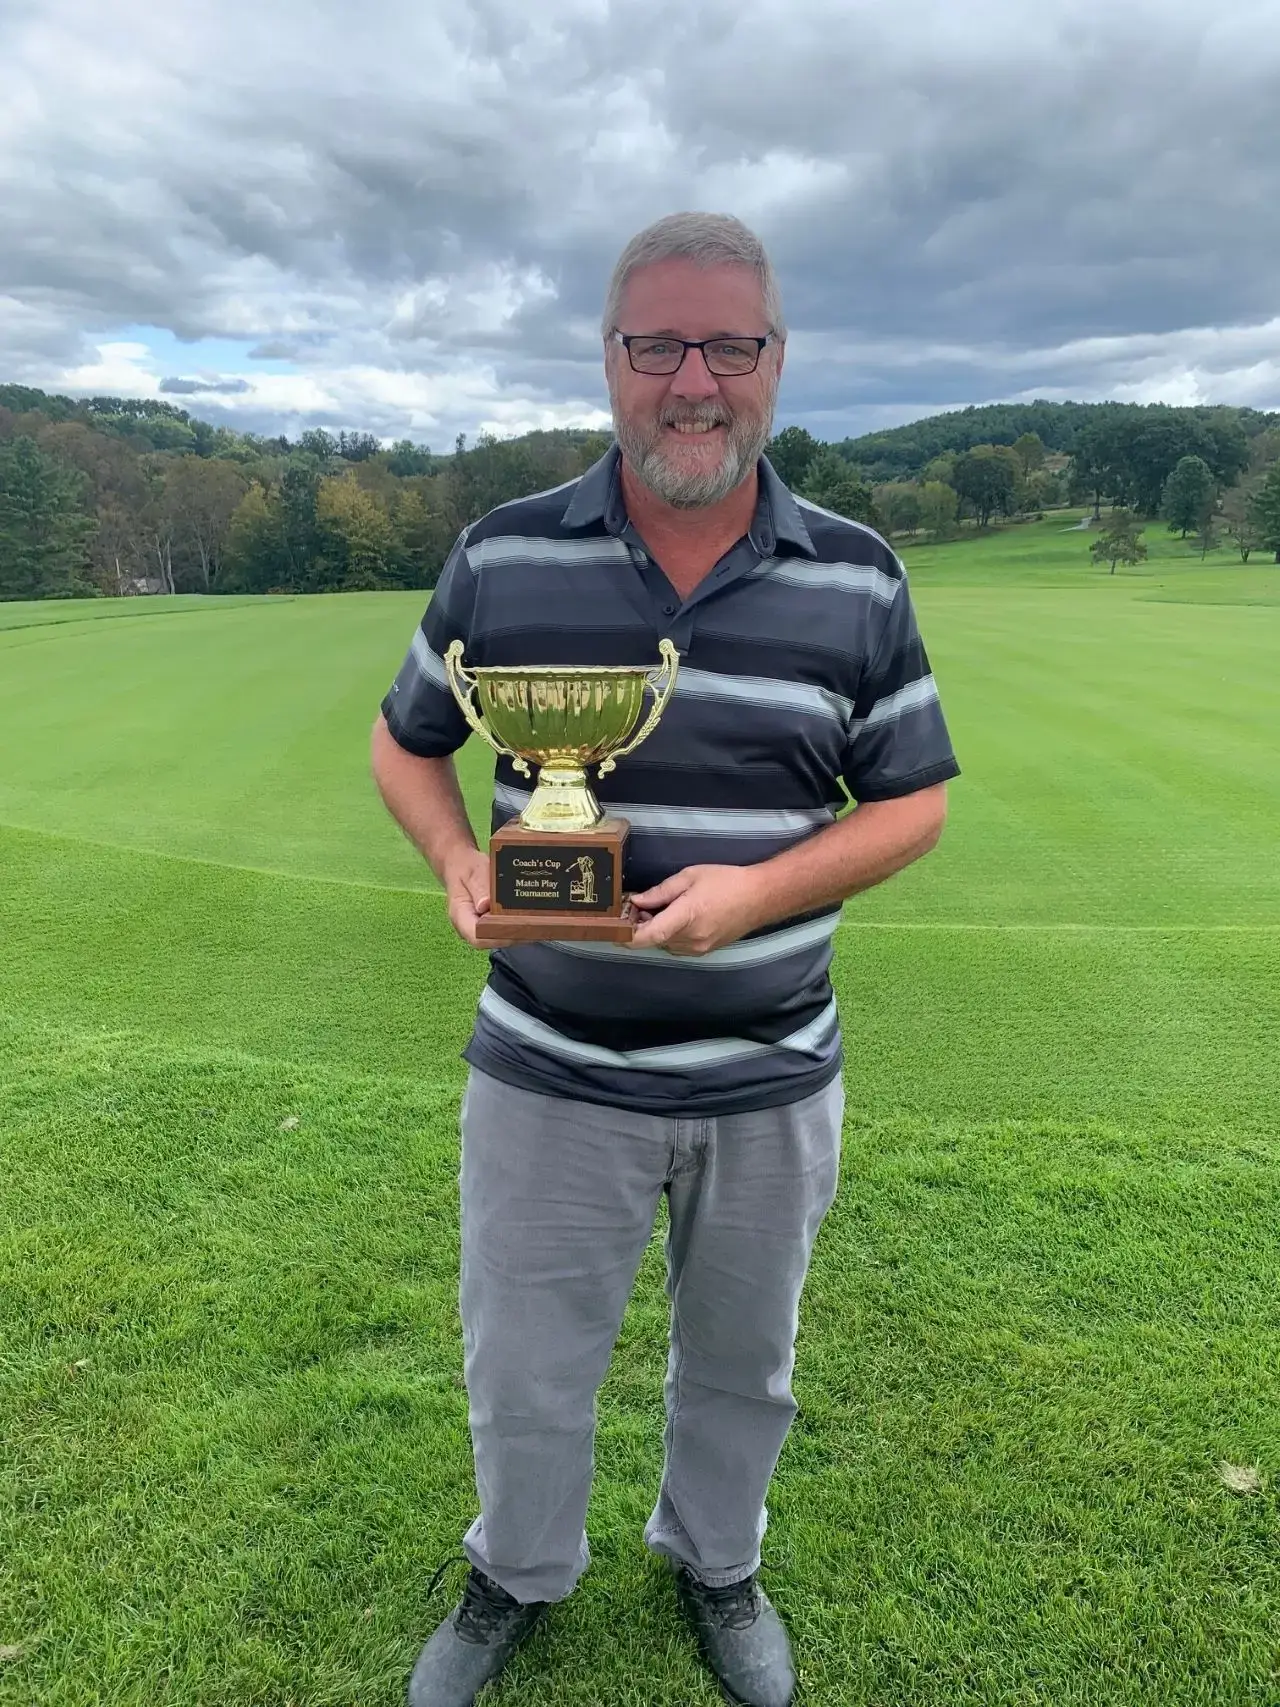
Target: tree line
x=120, y=495
x=112, y=495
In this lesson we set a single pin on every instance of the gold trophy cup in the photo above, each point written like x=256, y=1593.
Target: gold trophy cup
x=556, y=871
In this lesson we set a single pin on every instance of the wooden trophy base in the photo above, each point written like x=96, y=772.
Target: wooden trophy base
x=568, y=887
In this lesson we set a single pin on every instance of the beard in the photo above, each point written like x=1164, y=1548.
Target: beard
x=693, y=487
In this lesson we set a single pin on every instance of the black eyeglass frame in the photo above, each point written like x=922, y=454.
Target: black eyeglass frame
x=687, y=344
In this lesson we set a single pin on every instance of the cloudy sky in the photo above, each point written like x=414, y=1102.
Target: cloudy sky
x=400, y=215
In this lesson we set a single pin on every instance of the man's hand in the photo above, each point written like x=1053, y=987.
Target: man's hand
x=708, y=906
x=466, y=887
x=700, y=908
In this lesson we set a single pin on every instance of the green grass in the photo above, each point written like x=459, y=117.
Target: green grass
x=1041, y=1314
x=1055, y=552
x=47, y=613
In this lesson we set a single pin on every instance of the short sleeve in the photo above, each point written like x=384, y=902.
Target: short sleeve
x=420, y=710
x=898, y=740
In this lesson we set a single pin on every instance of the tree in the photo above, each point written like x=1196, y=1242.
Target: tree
x=254, y=559
x=938, y=504
x=791, y=451
x=422, y=537
x=1120, y=541
x=1229, y=453
x=898, y=505
x=1264, y=449
x=406, y=459
x=116, y=491
x=117, y=550
x=1095, y=470
x=44, y=530
x=160, y=524
x=986, y=477
x=1041, y=490
x=356, y=543
x=498, y=470
x=1238, y=520
x=836, y=485
x=1127, y=451
x=1189, y=494
x=1151, y=447
x=1265, y=511
x=1207, y=534
x=1029, y=450
x=357, y=447
x=202, y=495
x=461, y=487
x=318, y=444
x=299, y=535
x=940, y=468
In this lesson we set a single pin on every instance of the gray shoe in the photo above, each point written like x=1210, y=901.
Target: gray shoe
x=472, y=1645
x=742, y=1639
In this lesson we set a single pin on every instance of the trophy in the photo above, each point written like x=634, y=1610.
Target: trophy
x=556, y=871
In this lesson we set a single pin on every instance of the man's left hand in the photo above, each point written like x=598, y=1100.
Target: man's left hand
x=700, y=908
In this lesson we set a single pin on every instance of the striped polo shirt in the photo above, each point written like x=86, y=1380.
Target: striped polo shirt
x=803, y=684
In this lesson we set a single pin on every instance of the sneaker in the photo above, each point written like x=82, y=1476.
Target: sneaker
x=473, y=1643
x=742, y=1639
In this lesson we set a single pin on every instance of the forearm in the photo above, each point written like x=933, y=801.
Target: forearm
x=423, y=797
x=865, y=847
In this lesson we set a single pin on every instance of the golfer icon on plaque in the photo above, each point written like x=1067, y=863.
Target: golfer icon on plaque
x=582, y=891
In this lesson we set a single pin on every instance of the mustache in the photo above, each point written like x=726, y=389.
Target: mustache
x=696, y=415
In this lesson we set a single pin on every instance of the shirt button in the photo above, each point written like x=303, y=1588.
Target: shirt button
x=668, y=610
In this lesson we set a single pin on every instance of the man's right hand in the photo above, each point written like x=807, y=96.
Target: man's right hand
x=423, y=797
x=466, y=887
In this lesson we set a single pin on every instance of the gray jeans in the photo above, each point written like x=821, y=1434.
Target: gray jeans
x=558, y=1203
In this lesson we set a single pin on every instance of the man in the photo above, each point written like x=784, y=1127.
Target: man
x=702, y=1062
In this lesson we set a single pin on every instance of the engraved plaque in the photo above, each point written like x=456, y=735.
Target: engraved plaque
x=563, y=877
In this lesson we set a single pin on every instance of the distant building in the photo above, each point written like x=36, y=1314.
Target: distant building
x=131, y=585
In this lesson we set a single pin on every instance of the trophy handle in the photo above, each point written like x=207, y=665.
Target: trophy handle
x=464, y=684
x=662, y=680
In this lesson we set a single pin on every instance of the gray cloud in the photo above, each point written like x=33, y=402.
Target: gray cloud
x=177, y=387
x=417, y=216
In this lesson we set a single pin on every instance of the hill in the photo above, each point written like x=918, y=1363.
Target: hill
x=899, y=453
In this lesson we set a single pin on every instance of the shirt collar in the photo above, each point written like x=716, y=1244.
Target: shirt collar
x=590, y=501
x=597, y=498
x=788, y=523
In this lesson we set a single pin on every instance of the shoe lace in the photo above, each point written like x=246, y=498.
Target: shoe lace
x=484, y=1606
x=735, y=1606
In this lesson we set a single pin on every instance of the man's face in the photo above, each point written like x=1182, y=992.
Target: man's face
x=690, y=436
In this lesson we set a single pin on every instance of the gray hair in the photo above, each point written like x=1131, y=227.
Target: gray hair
x=706, y=239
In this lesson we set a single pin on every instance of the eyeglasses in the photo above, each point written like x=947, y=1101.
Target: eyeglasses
x=724, y=357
